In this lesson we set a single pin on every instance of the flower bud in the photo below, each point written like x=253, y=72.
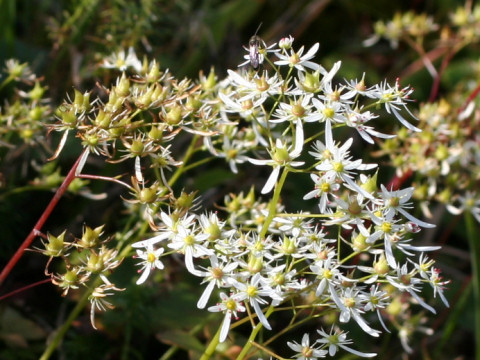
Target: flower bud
x=37, y=92
x=174, y=115
x=123, y=86
x=55, y=246
x=81, y=102
x=210, y=82
x=90, y=237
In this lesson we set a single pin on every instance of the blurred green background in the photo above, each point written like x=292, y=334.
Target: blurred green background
x=65, y=40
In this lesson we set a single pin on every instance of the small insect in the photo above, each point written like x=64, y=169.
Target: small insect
x=255, y=44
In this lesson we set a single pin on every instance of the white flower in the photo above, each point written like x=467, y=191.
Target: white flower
x=121, y=61
x=230, y=305
x=218, y=274
x=336, y=340
x=330, y=276
x=353, y=309
x=387, y=229
x=257, y=87
x=339, y=164
x=374, y=301
x=253, y=291
x=189, y=242
x=438, y=284
x=358, y=120
x=295, y=225
x=397, y=201
x=233, y=152
x=151, y=260
x=406, y=281
x=323, y=188
x=170, y=231
x=330, y=110
x=281, y=156
x=394, y=98
x=286, y=42
x=245, y=108
x=356, y=87
x=295, y=59
x=469, y=202
x=305, y=350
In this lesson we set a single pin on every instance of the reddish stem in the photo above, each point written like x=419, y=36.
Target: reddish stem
x=436, y=81
x=3, y=297
x=470, y=98
x=397, y=181
x=36, y=229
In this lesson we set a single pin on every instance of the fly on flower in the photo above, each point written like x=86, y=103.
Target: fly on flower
x=254, y=45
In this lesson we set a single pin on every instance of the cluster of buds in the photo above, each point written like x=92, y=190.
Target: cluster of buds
x=444, y=158
x=84, y=261
x=23, y=117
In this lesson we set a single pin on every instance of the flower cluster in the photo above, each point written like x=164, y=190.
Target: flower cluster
x=86, y=260
x=445, y=157
x=348, y=255
x=255, y=254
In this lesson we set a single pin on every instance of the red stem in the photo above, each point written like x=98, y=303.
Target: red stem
x=3, y=297
x=48, y=210
x=470, y=98
x=436, y=81
x=397, y=181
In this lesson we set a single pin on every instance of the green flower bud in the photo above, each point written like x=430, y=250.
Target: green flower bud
x=90, y=237
x=174, y=115
x=81, y=102
x=37, y=92
x=95, y=263
x=156, y=133
x=359, y=243
x=55, y=246
x=210, y=82
x=137, y=148
x=123, y=87
x=311, y=83
x=281, y=155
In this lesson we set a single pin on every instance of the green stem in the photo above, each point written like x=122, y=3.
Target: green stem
x=54, y=343
x=74, y=314
x=253, y=335
x=475, y=262
x=185, y=159
x=212, y=346
x=271, y=214
x=272, y=207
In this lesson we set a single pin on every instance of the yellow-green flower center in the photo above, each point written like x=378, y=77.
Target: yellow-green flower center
x=307, y=352
x=151, y=257
x=281, y=155
x=217, y=273
x=328, y=112
x=252, y=291
x=298, y=110
x=189, y=240
x=327, y=274
x=294, y=59
x=386, y=227
x=231, y=305
x=349, y=302
x=337, y=167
